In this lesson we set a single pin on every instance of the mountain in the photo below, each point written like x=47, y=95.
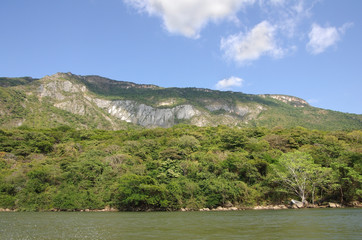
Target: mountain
x=94, y=102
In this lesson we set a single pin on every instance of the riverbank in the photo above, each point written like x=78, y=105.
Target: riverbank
x=355, y=204
x=280, y=207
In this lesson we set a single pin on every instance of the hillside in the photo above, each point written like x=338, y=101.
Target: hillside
x=93, y=102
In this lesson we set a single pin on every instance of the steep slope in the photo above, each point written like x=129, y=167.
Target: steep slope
x=97, y=102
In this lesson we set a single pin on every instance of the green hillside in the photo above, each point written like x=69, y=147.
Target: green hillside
x=24, y=103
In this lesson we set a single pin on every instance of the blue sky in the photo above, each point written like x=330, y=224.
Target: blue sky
x=305, y=48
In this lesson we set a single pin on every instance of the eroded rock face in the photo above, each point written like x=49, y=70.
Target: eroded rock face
x=69, y=94
x=73, y=106
x=58, y=89
x=168, y=102
x=238, y=110
x=294, y=101
x=144, y=115
x=72, y=97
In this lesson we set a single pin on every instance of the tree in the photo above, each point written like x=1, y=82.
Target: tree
x=299, y=173
x=140, y=192
x=233, y=139
x=348, y=182
x=321, y=177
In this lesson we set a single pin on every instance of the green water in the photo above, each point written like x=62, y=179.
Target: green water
x=252, y=224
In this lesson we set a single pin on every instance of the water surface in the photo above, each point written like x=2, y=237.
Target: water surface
x=251, y=224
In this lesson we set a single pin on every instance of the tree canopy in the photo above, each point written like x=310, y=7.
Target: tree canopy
x=180, y=167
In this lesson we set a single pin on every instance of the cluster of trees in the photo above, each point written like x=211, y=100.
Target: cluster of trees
x=184, y=166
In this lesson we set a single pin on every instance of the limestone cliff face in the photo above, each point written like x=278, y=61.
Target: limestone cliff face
x=71, y=95
x=66, y=94
x=294, y=101
x=58, y=87
x=237, y=109
x=141, y=114
x=75, y=98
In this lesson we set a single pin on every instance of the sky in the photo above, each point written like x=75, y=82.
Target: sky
x=305, y=48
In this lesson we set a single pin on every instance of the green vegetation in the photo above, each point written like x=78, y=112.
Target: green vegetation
x=183, y=166
x=9, y=82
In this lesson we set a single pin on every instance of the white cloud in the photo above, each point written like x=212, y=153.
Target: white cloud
x=243, y=48
x=228, y=83
x=188, y=17
x=322, y=38
x=277, y=2
x=280, y=31
x=287, y=15
x=344, y=28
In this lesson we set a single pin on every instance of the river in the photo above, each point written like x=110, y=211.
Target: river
x=249, y=224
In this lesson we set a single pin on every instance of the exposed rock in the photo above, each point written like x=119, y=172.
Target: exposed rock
x=355, y=204
x=312, y=206
x=109, y=209
x=219, y=208
x=240, y=110
x=202, y=120
x=73, y=106
x=6, y=210
x=106, y=209
x=204, y=210
x=216, y=106
x=294, y=101
x=131, y=111
x=66, y=93
x=260, y=208
x=270, y=207
x=168, y=102
x=295, y=203
x=277, y=207
x=58, y=88
x=334, y=205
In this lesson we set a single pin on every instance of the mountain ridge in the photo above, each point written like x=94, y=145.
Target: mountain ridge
x=96, y=102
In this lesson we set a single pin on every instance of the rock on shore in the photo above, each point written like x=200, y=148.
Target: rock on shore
x=6, y=210
x=270, y=207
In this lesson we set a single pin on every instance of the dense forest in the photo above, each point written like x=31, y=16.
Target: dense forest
x=180, y=167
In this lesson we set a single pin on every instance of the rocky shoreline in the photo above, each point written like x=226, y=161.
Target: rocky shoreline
x=278, y=207
x=220, y=208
